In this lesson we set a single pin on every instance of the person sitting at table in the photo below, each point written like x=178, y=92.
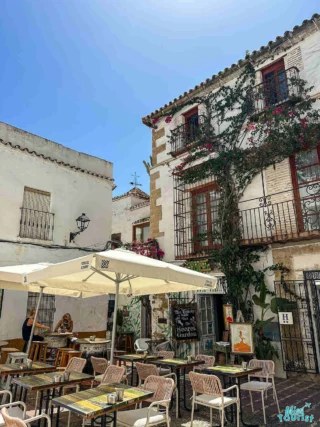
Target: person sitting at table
x=65, y=324
x=27, y=327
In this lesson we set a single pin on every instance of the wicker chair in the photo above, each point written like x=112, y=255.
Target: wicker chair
x=99, y=365
x=260, y=386
x=113, y=374
x=144, y=371
x=151, y=416
x=208, y=391
x=209, y=361
x=18, y=422
x=166, y=355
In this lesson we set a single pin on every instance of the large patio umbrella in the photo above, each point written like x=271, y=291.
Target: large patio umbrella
x=119, y=272
x=10, y=278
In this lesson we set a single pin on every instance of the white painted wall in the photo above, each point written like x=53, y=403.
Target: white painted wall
x=72, y=193
x=123, y=217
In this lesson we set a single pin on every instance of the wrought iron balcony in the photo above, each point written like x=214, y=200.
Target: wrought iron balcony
x=284, y=86
x=282, y=217
x=182, y=137
x=293, y=215
x=36, y=224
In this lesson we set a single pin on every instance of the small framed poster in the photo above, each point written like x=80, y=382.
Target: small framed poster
x=241, y=338
x=227, y=315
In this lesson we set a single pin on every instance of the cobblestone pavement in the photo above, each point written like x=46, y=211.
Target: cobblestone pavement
x=291, y=392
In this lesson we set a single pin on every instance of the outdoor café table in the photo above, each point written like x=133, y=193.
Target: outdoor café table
x=17, y=369
x=92, y=403
x=134, y=358
x=45, y=383
x=179, y=366
x=235, y=373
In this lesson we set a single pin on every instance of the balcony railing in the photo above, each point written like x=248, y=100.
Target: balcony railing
x=182, y=137
x=275, y=90
x=282, y=217
x=36, y=224
x=292, y=215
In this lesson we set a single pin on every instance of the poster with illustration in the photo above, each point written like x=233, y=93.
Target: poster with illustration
x=227, y=315
x=241, y=338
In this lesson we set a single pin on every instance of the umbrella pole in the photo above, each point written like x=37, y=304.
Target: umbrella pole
x=35, y=319
x=114, y=326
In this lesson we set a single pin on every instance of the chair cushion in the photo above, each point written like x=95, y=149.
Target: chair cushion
x=98, y=378
x=164, y=371
x=215, y=401
x=138, y=417
x=256, y=385
x=15, y=412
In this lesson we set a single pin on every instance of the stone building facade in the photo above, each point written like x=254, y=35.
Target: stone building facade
x=284, y=225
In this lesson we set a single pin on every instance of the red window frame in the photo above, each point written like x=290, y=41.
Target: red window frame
x=275, y=67
x=296, y=185
x=205, y=189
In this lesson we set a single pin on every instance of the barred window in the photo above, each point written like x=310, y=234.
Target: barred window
x=36, y=221
x=46, y=310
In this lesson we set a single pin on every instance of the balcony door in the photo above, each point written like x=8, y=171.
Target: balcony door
x=205, y=202
x=191, y=118
x=275, y=83
x=305, y=169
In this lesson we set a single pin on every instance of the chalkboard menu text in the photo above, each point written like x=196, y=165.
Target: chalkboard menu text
x=184, y=321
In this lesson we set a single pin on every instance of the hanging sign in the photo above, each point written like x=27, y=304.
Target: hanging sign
x=184, y=321
x=285, y=318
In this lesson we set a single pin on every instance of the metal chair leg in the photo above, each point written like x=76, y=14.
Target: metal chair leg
x=263, y=408
x=250, y=392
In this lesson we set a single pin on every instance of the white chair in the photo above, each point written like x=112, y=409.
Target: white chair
x=151, y=415
x=164, y=346
x=12, y=421
x=208, y=391
x=99, y=366
x=14, y=408
x=261, y=386
x=209, y=362
x=144, y=371
x=141, y=344
x=165, y=355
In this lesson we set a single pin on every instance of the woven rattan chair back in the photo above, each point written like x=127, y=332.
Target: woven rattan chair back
x=76, y=364
x=11, y=422
x=166, y=354
x=206, y=384
x=208, y=360
x=99, y=364
x=160, y=386
x=145, y=370
x=113, y=374
x=266, y=365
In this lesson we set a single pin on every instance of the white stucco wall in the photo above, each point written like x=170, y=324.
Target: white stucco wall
x=72, y=193
x=123, y=217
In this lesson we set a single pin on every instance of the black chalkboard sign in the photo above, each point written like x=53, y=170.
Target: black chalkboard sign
x=184, y=321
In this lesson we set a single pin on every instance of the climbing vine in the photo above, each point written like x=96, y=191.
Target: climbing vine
x=233, y=145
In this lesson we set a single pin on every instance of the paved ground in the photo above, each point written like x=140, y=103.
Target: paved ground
x=291, y=392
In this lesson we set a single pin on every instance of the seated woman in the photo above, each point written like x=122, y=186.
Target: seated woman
x=27, y=327
x=65, y=324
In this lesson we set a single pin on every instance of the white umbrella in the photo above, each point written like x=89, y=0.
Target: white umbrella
x=10, y=278
x=118, y=272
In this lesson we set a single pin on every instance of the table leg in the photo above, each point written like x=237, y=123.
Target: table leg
x=51, y=408
x=132, y=373
x=184, y=392
x=58, y=408
x=115, y=419
x=179, y=392
x=40, y=407
x=241, y=412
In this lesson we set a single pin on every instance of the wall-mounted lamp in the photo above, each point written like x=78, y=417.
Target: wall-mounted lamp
x=82, y=224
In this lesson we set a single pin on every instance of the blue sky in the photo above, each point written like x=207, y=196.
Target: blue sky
x=84, y=72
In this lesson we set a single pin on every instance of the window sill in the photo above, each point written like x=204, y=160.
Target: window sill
x=35, y=241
